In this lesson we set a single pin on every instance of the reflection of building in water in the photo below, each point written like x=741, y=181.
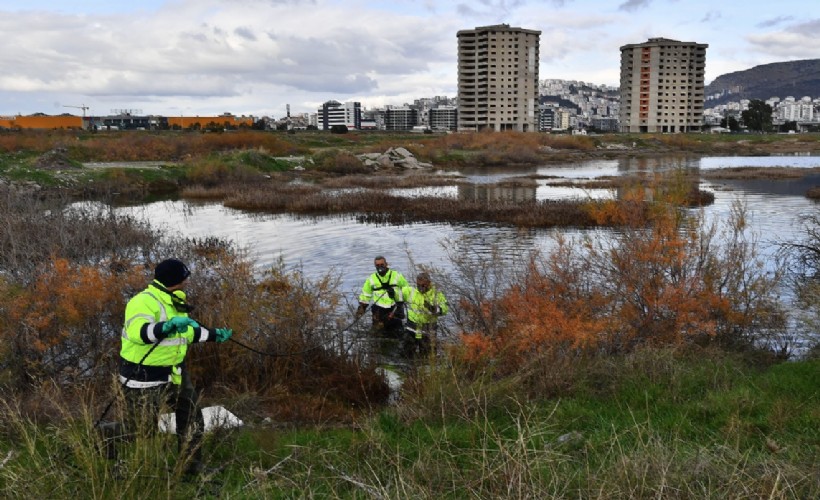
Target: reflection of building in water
x=649, y=190
x=665, y=164
x=493, y=192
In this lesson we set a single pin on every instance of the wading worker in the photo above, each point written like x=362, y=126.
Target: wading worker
x=383, y=292
x=155, y=339
x=424, y=306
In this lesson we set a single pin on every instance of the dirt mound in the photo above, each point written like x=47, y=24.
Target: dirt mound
x=56, y=159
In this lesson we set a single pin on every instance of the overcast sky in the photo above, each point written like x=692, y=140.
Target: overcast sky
x=253, y=57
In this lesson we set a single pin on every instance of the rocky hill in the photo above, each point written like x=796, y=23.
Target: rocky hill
x=783, y=79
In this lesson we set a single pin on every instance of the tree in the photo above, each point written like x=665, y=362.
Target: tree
x=758, y=117
x=804, y=268
x=731, y=123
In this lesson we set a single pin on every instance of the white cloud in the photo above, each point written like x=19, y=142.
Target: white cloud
x=797, y=41
x=249, y=56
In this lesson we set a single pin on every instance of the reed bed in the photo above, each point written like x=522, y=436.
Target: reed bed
x=376, y=206
x=759, y=173
x=391, y=181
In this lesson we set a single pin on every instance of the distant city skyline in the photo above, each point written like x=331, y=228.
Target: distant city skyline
x=255, y=57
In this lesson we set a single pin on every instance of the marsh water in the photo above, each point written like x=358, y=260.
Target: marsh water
x=346, y=246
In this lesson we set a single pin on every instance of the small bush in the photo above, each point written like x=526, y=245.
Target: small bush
x=339, y=162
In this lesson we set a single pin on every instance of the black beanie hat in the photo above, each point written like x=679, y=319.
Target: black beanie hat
x=171, y=272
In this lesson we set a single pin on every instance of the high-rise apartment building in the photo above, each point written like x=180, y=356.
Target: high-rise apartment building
x=662, y=86
x=498, y=78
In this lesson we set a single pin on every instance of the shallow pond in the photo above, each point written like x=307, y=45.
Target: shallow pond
x=346, y=247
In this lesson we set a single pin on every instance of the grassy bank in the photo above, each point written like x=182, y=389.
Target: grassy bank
x=58, y=159
x=656, y=423
x=626, y=367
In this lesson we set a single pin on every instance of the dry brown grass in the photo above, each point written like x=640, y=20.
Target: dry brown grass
x=498, y=148
x=144, y=146
x=759, y=173
x=379, y=207
x=382, y=181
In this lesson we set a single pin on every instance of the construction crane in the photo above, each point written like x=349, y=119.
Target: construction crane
x=83, y=107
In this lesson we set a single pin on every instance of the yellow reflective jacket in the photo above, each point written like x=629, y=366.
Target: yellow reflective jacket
x=423, y=309
x=145, y=315
x=375, y=289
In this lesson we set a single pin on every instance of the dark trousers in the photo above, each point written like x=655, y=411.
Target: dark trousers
x=142, y=410
x=415, y=346
x=388, y=320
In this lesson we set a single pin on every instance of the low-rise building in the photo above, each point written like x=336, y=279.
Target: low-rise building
x=334, y=113
x=404, y=118
x=443, y=118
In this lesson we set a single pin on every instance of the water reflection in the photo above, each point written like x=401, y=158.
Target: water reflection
x=484, y=192
x=601, y=168
x=781, y=187
x=346, y=247
x=343, y=244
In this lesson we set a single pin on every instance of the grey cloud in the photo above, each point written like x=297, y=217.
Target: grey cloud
x=347, y=84
x=809, y=28
x=797, y=41
x=498, y=8
x=465, y=10
x=278, y=2
x=774, y=22
x=712, y=15
x=204, y=60
x=632, y=5
x=169, y=85
x=245, y=33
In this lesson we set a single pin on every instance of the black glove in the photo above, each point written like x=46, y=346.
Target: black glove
x=360, y=311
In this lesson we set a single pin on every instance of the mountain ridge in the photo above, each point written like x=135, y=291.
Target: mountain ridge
x=780, y=79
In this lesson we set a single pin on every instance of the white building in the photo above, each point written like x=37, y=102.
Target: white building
x=334, y=113
x=796, y=111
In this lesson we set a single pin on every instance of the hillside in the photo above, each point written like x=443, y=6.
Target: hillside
x=783, y=79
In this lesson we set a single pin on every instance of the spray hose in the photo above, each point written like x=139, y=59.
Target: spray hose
x=252, y=349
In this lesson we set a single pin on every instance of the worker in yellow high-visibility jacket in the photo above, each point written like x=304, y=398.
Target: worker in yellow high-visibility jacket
x=425, y=304
x=155, y=339
x=383, y=292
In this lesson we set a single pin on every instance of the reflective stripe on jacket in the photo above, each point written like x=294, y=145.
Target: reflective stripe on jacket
x=424, y=308
x=145, y=315
x=375, y=290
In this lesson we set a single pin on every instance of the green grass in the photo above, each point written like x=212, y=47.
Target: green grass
x=671, y=427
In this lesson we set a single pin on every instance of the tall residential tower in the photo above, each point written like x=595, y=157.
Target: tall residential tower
x=498, y=78
x=662, y=86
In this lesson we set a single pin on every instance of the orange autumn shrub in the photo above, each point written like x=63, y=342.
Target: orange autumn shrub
x=665, y=277
x=67, y=321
